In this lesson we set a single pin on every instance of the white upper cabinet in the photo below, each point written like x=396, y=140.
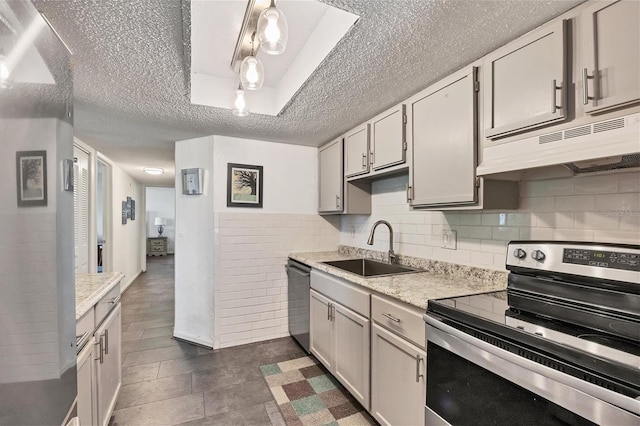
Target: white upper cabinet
x=610, y=73
x=388, y=143
x=356, y=147
x=524, y=82
x=444, y=142
x=330, y=177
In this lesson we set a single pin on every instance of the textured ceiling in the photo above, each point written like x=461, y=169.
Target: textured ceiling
x=131, y=70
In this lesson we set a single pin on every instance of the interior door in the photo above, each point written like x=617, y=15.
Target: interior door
x=81, y=208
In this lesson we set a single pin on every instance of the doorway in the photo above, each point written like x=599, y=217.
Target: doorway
x=104, y=215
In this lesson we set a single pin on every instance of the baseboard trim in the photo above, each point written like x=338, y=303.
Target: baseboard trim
x=124, y=288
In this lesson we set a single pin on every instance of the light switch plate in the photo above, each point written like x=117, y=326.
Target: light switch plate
x=449, y=239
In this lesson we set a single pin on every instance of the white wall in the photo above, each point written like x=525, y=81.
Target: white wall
x=194, y=246
x=127, y=239
x=36, y=259
x=290, y=174
x=161, y=202
x=603, y=208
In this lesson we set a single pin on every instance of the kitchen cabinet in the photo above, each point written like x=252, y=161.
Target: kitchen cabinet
x=398, y=386
x=388, y=138
x=356, y=151
x=444, y=137
x=524, y=82
x=330, y=177
x=610, y=42
x=87, y=388
x=335, y=195
x=108, y=360
x=398, y=362
x=340, y=332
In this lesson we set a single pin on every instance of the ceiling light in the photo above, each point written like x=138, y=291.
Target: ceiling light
x=252, y=73
x=153, y=170
x=4, y=71
x=273, y=30
x=240, y=103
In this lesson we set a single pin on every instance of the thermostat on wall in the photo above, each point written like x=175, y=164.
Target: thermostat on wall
x=192, y=181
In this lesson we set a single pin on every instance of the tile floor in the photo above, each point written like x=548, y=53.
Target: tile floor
x=168, y=382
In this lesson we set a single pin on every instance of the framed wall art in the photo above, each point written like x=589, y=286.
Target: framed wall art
x=244, y=185
x=31, y=178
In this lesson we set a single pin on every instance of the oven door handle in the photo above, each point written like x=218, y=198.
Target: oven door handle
x=480, y=353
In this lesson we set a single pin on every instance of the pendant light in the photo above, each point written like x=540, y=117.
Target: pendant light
x=252, y=70
x=240, y=103
x=273, y=31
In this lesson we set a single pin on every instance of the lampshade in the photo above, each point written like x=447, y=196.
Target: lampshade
x=273, y=31
x=240, y=103
x=251, y=73
x=159, y=221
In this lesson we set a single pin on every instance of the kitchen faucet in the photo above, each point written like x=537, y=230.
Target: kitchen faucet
x=392, y=256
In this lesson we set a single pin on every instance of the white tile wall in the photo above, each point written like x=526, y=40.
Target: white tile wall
x=604, y=208
x=250, y=279
x=29, y=324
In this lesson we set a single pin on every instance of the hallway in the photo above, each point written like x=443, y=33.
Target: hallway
x=165, y=381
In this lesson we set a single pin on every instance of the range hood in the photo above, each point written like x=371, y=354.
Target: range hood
x=600, y=146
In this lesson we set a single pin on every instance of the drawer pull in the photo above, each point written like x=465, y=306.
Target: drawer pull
x=418, y=375
x=114, y=301
x=101, y=355
x=391, y=317
x=328, y=311
x=106, y=342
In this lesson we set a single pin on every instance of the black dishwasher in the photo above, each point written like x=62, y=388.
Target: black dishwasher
x=298, y=305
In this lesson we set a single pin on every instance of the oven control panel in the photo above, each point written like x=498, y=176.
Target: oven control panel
x=602, y=259
x=607, y=261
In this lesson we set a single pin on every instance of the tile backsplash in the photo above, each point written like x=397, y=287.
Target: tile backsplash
x=602, y=208
x=250, y=279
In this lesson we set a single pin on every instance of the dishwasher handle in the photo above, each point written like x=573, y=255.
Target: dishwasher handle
x=294, y=268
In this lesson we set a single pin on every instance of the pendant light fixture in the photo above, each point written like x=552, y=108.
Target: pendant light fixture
x=240, y=103
x=252, y=70
x=273, y=31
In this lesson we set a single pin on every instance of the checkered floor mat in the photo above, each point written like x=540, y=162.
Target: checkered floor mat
x=308, y=395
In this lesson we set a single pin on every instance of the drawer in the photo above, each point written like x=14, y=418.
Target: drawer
x=349, y=295
x=157, y=248
x=400, y=318
x=108, y=302
x=85, y=326
x=156, y=243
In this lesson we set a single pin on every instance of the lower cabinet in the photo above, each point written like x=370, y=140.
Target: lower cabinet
x=340, y=340
x=108, y=359
x=398, y=387
x=87, y=389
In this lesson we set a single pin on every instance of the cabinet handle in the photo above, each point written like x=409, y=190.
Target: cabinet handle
x=418, y=361
x=333, y=312
x=555, y=89
x=391, y=317
x=328, y=311
x=373, y=157
x=101, y=355
x=585, y=86
x=337, y=201
x=106, y=342
x=409, y=194
x=364, y=160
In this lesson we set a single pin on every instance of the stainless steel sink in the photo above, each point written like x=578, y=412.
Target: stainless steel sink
x=370, y=268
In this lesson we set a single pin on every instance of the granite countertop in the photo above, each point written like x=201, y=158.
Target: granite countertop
x=91, y=287
x=440, y=279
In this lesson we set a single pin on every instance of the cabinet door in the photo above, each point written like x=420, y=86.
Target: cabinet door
x=87, y=391
x=330, y=177
x=321, y=329
x=524, y=82
x=444, y=142
x=388, y=145
x=398, y=386
x=611, y=47
x=108, y=364
x=356, y=149
x=352, y=352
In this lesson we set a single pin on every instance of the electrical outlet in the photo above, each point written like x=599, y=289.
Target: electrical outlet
x=449, y=240
x=353, y=231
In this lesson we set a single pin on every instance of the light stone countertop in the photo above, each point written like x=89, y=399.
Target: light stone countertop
x=416, y=288
x=91, y=287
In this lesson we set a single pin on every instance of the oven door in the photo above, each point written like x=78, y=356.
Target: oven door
x=470, y=381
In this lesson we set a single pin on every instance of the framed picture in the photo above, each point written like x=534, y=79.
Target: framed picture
x=31, y=178
x=133, y=209
x=244, y=185
x=125, y=213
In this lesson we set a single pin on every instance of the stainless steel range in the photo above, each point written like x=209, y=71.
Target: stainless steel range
x=560, y=346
